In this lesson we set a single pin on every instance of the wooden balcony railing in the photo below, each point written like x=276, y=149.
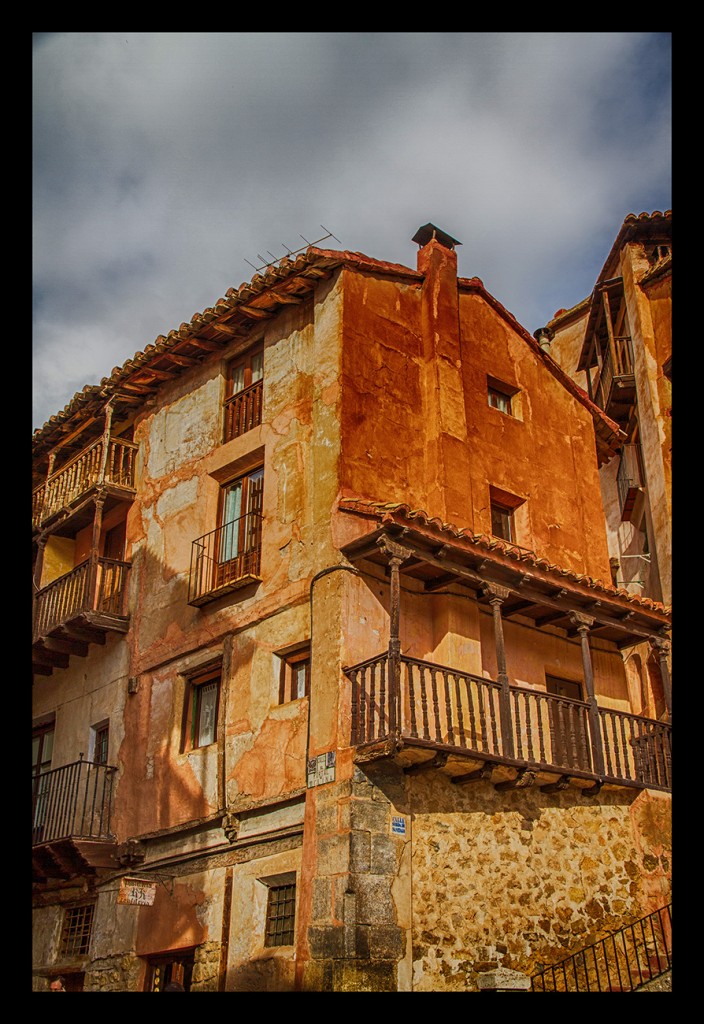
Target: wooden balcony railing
x=225, y=559
x=614, y=368
x=73, y=801
x=92, y=467
x=447, y=708
x=243, y=411
x=37, y=505
x=93, y=586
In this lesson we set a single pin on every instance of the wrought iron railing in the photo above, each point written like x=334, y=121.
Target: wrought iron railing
x=96, y=585
x=630, y=475
x=73, y=801
x=93, y=466
x=444, y=707
x=243, y=411
x=621, y=962
x=226, y=558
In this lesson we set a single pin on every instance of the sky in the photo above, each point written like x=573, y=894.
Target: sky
x=167, y=166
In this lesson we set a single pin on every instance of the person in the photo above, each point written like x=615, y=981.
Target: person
x=174, y=986
x=57, y=984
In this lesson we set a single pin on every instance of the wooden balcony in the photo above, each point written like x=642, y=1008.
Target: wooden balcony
x=437, y=716
x=71, y=815
x=614, y=389
x=110, y=465
x=77, y=609
x=225, y=559
x=243, y=411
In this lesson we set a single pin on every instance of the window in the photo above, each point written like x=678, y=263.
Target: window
x=101, y=735
x=229, y=556
x=294, y=681
x=502, y=521
x=243, y=401
x=280, y=915
x=75, y=937
x=503, y=506
x=201, y=712
x=42, y=747
x=500, y=395
x=238, y=544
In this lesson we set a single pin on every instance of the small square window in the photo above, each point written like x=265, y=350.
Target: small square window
x=500, y=395
x=294, y=681
x=78, y=923
x=280, y=915
x=202, y=699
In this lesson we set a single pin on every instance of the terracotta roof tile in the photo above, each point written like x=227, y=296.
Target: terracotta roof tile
x=388, y=511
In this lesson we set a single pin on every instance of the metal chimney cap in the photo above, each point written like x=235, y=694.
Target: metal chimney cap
x=428, y=231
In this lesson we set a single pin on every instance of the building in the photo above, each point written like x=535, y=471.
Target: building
x=617, y=344
x=329, y=681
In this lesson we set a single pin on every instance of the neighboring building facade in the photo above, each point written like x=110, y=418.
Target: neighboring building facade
x=618, y=345
x=329, y=687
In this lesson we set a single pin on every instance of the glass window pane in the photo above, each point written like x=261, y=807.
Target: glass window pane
x=207, y=705
x=257, y=367
x=237, y=378
x=299, y=680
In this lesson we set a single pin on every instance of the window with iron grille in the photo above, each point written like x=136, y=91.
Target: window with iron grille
x=75, y=937
x=280, y=915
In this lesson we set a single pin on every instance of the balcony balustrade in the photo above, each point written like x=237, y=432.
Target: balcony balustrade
x=96, y=585
x=96, y=465
x=72, y=802
x=447, y=709
x=243, y=411
x=616, y=372
x=225, y=559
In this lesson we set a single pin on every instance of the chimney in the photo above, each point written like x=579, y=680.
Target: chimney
x=425, y=235
x=544, y=336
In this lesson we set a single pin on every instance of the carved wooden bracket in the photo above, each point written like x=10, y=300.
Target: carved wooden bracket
x=481, y=773
x=581, y=621
x=231, y=827
x=439, y=761
x=393, y=550
x=495, y=592
x=523, y=780
x=130, y=854
x=555, y=787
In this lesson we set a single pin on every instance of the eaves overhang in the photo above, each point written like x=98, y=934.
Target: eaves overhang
x=443, y=555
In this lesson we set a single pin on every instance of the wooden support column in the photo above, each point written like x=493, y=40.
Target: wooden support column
x=609, y=329
x=497, y=595
x=106, y=441
x=95, y=552
x=661, y=645
x=583, y=623
x=397, y=554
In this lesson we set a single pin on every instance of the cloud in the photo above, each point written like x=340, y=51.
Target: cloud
x=163, y=162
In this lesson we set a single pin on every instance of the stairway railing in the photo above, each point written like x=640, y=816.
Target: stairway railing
x=621, y=962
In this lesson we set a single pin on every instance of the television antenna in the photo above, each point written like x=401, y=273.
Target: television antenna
x=291, y=252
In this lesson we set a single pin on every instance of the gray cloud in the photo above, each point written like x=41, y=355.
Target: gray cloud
x=164, y=161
